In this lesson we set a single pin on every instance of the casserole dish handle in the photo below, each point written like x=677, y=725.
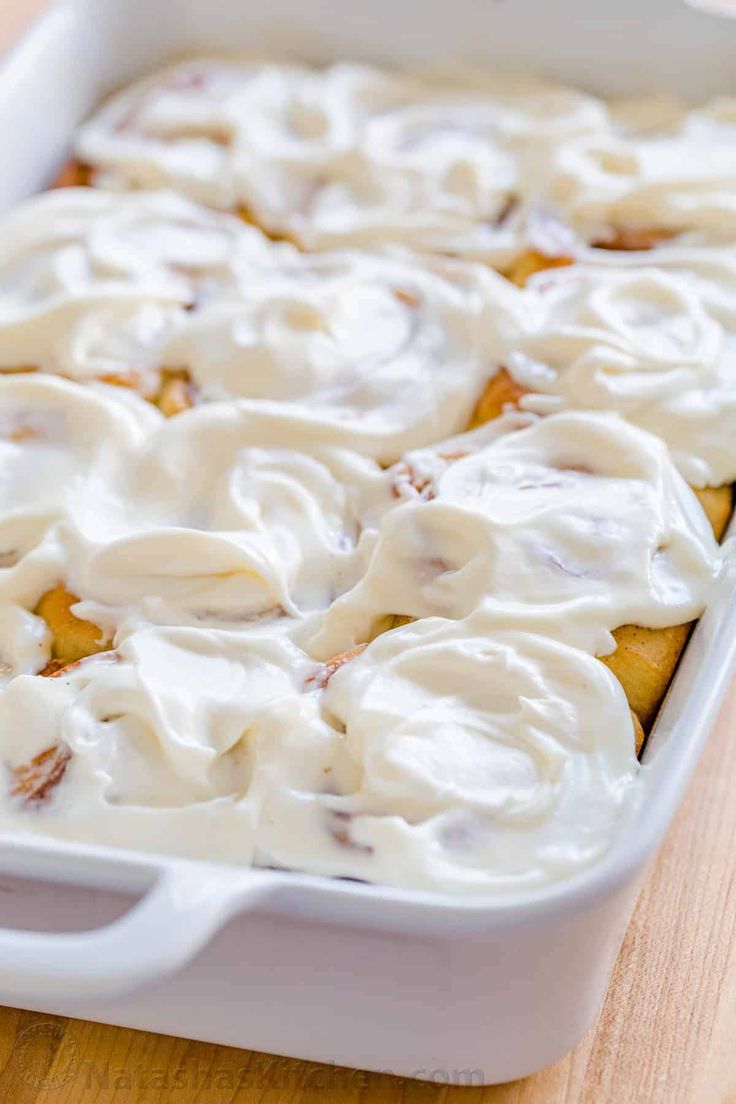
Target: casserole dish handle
x=163, y=931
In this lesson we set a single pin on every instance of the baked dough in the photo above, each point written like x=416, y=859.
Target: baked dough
x=72, y=638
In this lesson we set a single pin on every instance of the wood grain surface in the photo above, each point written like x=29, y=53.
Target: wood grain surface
x=666, y=1035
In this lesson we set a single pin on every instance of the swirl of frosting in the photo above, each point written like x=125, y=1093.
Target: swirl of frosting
x=61, y=446
x=303, y=658
x=91, y=282
x=487, y=759
x=579, y=521
x=155, y=746
x=655, y=344
x=223, y=516
x=451, y=169
x=657, y=164
x=473, y=759
x=386, y=353
x=229, y=133
x=343, y=156
x=451, y=163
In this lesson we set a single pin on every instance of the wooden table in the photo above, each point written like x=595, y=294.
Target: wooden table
x=667, y=1032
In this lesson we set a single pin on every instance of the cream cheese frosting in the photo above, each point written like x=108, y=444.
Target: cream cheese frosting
x=482, y=751
x=348, y=155
x=218, y=516
x=228, y=517
x=91, y=282
x=62, y=447
x=463, y=163
x=576, y=519
x=158, y=741
x=449, y=756
x=384, y=353
x=657, y=164
x=209, y=730
x=652, y=337
x=346, y=636
x=481, y=766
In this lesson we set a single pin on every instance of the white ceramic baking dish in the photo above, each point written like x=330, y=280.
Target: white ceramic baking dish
x=444, y=989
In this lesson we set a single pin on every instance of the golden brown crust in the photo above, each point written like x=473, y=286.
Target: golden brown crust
x=277, y=236
x=531, y=262
x=500, y=391
x=34, y=781
x=177, y=392
x=18, y=370
x=639, y=734
x=72, y=638
x=633, y=239
x=120, y=379
x=320, y=678
x=74, y=175
x=645, y=659
x=644, y=662
x=386, y=623
x=717, y=502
